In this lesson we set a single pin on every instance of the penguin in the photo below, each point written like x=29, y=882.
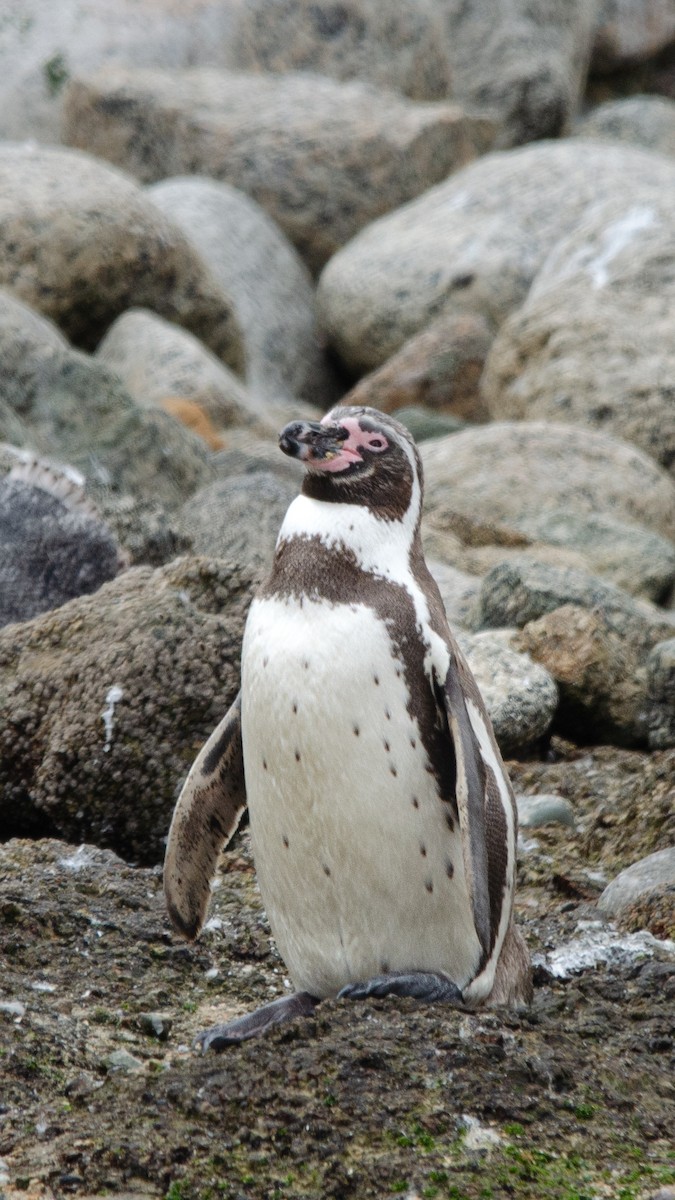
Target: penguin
x=382, y=818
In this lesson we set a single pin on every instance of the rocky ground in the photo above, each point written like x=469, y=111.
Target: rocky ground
x=574, y=1098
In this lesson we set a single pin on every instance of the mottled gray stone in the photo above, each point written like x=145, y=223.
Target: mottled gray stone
x=323, y=158
x=459, y=591
x=270, y=287
x=80, y=242
x=535, y=811
x=593, y=341
x=634, y=558
x=520, y=695
x=49, y=552
x=661, y=695
x=506, y=471
x=524, y=62
x=237, y=518
x=655, y=871
x=473, y=243
x=628, y=33
x=647, y=121
x=400, y=46
x=105, y=701
x=157, y=360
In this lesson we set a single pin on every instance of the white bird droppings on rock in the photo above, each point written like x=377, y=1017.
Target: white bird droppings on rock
x=113, y=697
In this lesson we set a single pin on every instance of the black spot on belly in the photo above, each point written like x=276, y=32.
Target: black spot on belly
x=387, y=714
x=376, y=680
x=386, y=745
x=295, y=708
x=429, y=886
x=264, y=765
x=356, y=731
x=449, y=819
x=326, y=870
x=297, y=756
x=305, y=664
x=413, y=742
x=265, y=661
x=423, y=850
x=393, y=770
x=415, y=802
x=285, y=841
x=449, y=869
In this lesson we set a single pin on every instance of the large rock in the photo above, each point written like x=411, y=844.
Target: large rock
x=439, y=368
x=237, y=518
x=66, y=406
x=647, y=121
x=80, y=242
x=593, y=341
x=637, y=881
x=43, y=45
x=505, y=471
x=598, y=659
x=270, y=287
x=661, y=694
x=520, y=695
x=629, y=33
x=104, y=703
x=473, y=243
x=51, y=548
x=526, y=63
x=158, y=361
x=323, y=158
x=400, y=46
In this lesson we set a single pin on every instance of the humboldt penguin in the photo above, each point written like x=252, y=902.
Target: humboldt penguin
x=383, y=822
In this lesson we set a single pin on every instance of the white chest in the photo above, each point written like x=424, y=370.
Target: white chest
x=357, y=865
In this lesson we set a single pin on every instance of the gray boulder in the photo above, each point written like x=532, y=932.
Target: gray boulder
x=80, y=242
x=505, y=472
x=661, y=695
x=630, y=33
x=474, y=243
x=520, y=695
x=399, y=46
x=158, y=361
x=647, y=121
x=237, y=518
x=105, y=701
x=323, y=158
x=655, y=871
x=270, y=287
x=593, y=341
x=525, y=63
x=51, y=549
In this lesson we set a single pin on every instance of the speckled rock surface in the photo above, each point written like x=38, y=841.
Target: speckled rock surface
x=49, y=552
x=520, y=695
x=439, y=368
x=647, y=121
x=592, y=342
x=459, y=591
x=105, y=702
x=323, y=158
x=634, y=558
x=237, y=518
x=661, y=694
x=505, y=471
x=630, y=33
x=650, y=873
x=524, y=62
x=401, y=46
x=270, y=287
x=519, y=591
x=598, y=659
x=473, y=243
x=80, y=242
x=157, y=360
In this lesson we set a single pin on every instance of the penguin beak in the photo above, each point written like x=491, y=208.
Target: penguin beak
x=311, y=442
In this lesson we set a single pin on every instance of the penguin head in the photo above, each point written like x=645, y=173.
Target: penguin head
x=357, y=455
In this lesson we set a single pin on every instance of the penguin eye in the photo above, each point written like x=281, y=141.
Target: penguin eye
x=377, y=444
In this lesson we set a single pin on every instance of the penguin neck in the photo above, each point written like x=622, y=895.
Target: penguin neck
x=379, y=546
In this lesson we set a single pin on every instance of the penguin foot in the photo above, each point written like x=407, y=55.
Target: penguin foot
x=422, y=985
x=300, y=1004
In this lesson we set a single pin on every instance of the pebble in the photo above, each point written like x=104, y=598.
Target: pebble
x=535, y=811
x=655, y=871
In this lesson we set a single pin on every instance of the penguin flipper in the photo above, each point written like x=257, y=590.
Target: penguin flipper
x=471, y=803
x=206, y=816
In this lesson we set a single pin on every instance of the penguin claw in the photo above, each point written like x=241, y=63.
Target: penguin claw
x=254, y=1024
x=421, y=985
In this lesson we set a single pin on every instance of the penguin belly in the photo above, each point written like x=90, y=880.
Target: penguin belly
x=359, y=861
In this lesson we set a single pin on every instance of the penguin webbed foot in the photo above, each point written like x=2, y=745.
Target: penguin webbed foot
x=421, y=985
x=257, y=1023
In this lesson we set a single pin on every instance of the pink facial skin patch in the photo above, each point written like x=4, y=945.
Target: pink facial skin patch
x=359, y=439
